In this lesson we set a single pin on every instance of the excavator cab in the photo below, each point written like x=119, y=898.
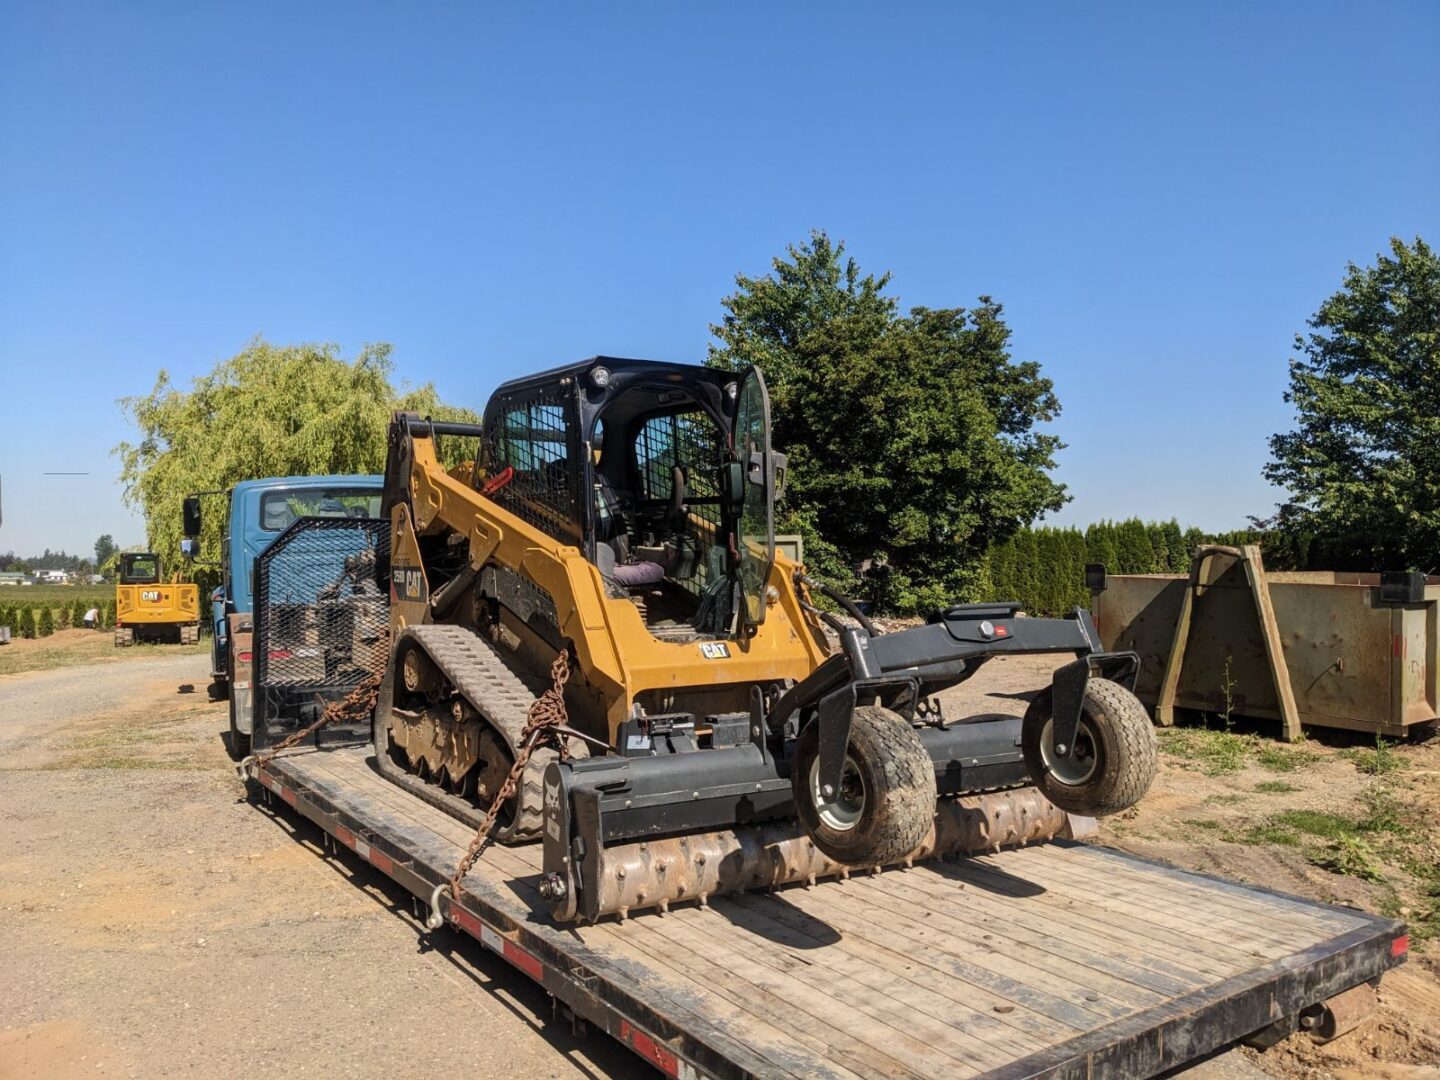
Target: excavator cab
x=661, y=474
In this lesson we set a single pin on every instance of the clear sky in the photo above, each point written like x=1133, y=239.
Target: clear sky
x=1160, y=194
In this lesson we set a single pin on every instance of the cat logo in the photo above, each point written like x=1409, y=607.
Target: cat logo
x=150, y=596
x=714, y=650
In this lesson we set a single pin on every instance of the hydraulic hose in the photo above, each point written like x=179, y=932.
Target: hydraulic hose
x=851, y=608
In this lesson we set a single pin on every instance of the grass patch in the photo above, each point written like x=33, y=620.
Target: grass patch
x=1268, y=833
x=1202, y=823
x=1275, y=787
x=1215, y=752
x=70, y=647
x=1379, y=761
x=1283, y=759
x=1225, y=800
x=122, y=762
x=1316, y=823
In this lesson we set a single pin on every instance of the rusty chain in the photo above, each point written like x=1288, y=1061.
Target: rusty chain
x=543, y=723
x=355, y=707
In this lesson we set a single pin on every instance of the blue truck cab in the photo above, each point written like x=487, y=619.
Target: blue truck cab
x=259, y=511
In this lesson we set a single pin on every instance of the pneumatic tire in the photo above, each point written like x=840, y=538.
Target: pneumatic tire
x=1114, y=759
x=887, y=798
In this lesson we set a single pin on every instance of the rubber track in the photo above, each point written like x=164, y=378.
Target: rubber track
x=478, y=673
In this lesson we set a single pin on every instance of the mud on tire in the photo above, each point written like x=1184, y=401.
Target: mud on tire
x=1117, y=747
x=896, y=779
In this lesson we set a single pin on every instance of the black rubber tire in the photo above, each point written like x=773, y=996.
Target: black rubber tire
x=899, y=783
x=1123, y=741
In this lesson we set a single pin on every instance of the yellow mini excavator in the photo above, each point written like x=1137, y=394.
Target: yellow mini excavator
x=621, y=512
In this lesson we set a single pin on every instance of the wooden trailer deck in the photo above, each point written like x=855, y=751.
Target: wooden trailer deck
x=1061, y=959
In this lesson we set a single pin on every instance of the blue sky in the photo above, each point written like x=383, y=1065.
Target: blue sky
x=1160, y=195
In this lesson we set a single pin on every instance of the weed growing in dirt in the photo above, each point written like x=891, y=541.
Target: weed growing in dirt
x=1351, y=856
x=1377, y=762
x=1202, y=823
x=1275, y=787
x=1225, y=800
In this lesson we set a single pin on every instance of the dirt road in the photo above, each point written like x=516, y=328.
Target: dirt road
x=156, y=925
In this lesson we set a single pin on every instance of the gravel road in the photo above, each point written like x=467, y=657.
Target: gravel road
x=157, y=925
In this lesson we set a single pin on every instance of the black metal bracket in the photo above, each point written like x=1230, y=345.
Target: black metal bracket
x=1067, y=691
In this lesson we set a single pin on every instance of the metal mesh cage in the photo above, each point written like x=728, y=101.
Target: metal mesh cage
x=536, y=438
x=321, y=621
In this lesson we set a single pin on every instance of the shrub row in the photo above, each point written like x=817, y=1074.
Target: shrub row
x=42, y=620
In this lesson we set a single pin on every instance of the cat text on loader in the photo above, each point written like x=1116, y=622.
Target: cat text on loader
x=148, y=609
x=622, y=511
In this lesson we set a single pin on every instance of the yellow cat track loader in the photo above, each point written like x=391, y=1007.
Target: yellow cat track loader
x=622, y=511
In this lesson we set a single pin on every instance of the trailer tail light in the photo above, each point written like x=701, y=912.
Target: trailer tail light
x=1400, y=946
x=244, y=657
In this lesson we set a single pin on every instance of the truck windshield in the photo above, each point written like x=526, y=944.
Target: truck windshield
x=279, y=509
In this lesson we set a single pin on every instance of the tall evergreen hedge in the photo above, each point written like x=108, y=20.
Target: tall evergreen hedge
x=1044, y=568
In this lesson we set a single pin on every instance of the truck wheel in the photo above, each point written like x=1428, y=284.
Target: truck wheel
x=1114, y=758
x=239, y=741
x=886, y=800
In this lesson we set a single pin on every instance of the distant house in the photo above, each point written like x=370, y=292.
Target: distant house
x=11, y=577
x=54, y=577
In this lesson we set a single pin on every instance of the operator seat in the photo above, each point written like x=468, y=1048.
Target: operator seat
x=612, y=543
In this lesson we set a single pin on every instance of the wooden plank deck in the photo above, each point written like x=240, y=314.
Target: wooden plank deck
x=997, y=965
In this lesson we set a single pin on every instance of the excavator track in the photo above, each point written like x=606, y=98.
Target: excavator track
x=476, y=671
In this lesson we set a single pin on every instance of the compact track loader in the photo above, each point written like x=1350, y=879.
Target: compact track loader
x=621, y=512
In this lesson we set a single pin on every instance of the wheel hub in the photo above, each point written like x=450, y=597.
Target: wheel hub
x=1076, y=767
x=839, y=810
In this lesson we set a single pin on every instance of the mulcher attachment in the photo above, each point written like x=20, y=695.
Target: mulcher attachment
x=656, y=873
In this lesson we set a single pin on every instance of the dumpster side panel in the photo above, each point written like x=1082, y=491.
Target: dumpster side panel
x=1138, y=613
x=1338, y=647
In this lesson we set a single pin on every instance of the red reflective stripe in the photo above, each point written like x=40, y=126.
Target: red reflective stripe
x=1400, y=945
x=382, y=862
x=650, y=1048
x=345, y=836
x=468, y=922
x=1398, y=646
x=287, y=794
x=524, y=961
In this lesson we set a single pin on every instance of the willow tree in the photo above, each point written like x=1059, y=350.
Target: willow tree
x=270, y=410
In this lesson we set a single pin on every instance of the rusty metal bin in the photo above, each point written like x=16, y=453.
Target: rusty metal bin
x=1325, y=649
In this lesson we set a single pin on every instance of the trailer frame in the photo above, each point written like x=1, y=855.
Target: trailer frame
x=679, y=1043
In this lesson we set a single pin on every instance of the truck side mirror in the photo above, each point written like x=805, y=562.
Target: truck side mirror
x=190, y=515
x=732, y=486
x=190, y=547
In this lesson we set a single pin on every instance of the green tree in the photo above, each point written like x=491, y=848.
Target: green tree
x=27, y=622
x=1362, y=466
x=268, y=411
x=45, y=625
x=104, y=548
x=912, y=437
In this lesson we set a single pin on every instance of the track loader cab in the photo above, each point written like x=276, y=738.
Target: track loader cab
x=631, y=462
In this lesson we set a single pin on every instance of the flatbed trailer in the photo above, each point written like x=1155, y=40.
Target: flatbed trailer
x=1058, y=960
